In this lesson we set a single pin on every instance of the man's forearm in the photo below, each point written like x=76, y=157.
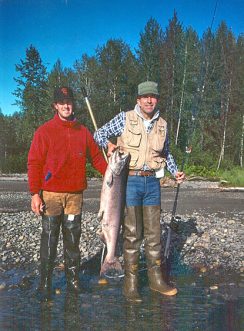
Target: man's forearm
x=100, y=138
x=171, y=165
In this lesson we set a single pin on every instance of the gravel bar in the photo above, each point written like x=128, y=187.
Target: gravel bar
x=208, y=240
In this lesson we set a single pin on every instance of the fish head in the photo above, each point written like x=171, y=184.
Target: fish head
x=118, y=161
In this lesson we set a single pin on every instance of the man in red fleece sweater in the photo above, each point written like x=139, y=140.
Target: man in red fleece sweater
x=57, y=179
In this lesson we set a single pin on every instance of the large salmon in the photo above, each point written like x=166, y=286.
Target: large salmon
x=112, y=206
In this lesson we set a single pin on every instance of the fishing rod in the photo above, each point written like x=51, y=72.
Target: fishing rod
x=83, y=91
x=174, y=222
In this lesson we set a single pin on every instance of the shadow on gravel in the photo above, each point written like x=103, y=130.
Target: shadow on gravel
x=181, y=230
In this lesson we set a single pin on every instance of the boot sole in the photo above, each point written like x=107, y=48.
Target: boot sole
x=167, y=293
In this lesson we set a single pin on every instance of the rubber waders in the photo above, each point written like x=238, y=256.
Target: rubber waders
x=71, y=237
x=132, y=242
x=152, y=235
x=48, y=251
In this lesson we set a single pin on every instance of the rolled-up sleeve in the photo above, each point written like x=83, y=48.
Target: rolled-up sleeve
x=170, y=162
x=113, y=128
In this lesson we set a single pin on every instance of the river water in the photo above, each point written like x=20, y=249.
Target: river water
x=205, y=302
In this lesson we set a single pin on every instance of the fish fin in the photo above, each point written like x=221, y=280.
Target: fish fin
x=112, y=269
x=100, y=215
x=109, y=180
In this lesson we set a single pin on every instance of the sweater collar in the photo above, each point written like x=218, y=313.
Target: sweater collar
x=138, y=111
x=68, y=124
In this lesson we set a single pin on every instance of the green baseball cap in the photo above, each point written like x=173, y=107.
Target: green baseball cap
x=148, y=87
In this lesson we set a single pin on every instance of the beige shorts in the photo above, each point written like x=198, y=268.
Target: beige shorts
x=59, y=203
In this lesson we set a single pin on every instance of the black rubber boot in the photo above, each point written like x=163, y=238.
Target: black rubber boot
x=48, y=252
x=132, y=243
x=152, y=235
x=71, y=238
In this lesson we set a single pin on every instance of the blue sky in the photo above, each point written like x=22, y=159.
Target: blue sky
x=66, y=29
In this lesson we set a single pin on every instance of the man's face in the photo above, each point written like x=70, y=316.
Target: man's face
x=147, y=105
x=64, y=109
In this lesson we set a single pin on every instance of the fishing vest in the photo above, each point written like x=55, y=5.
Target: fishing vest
x=145, y=148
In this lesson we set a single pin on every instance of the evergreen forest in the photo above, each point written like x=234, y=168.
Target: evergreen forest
x=201, y=84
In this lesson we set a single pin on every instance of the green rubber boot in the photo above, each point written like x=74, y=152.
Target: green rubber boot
x=152, y=235
x=132, y=242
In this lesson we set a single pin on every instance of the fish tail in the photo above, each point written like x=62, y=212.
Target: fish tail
x=112, y=269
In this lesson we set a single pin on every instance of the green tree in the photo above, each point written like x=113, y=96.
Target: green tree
x=85, y=74
x=115, y=80
x=204, y=103
x=3, y=139
x=184, y=112
x=150, y=46
x=12, y=155
x=237, y=104
x=199, y=78
x=109, y=78
x=57, y=76
x=31, y=92
x=172, y=63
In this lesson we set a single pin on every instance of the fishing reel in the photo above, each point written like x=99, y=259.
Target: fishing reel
x=175, y=224
x=179, y=226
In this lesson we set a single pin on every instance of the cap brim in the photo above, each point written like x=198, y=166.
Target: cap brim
x=65, y=99
x=148, y=94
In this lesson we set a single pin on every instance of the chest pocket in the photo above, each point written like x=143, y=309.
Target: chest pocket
x=134, y=136
x=159, y=139
x=161, y=131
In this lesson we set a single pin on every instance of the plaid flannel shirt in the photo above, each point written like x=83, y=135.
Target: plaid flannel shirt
x=115, y=128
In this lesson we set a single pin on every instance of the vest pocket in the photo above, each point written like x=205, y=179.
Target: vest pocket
x=161, y=131
x=156, y=160
x=134, y=157
x=133, y=138
x=156, y=164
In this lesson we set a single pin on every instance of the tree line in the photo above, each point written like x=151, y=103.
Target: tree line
x=201, y=84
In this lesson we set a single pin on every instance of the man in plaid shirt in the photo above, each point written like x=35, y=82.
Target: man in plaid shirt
x=115, y=127
x=143, y=133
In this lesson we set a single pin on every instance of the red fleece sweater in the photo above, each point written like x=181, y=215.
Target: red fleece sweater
x=57, y=157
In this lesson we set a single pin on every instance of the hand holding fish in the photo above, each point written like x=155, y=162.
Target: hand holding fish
x=111, y=148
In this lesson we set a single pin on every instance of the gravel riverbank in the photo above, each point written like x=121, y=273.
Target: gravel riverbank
x=203, y=241
x=20, y=243
x=206, y=240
